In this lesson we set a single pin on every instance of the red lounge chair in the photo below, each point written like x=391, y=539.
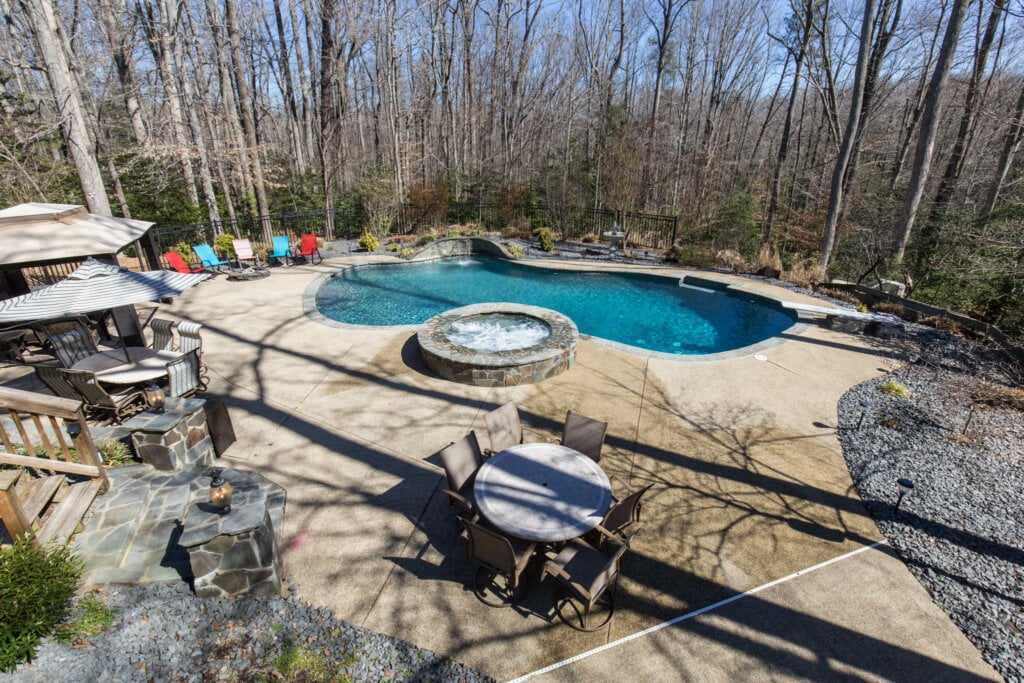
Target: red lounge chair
x=308, y=249
x=178, y=263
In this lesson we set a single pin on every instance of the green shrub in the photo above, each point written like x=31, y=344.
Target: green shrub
x=222, y=244
x=184, y=251
x=427, y=238
x=36, y=586
x=894, y=388
x=406, y=252
x=394, y=246
x=690, y=255
x=115, y=453
x=516, y=250
x=544, y=237
x=368, y=242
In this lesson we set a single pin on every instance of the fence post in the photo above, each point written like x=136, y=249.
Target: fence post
x=675, y=229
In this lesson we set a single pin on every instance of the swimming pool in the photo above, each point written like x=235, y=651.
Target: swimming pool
x=645, y=311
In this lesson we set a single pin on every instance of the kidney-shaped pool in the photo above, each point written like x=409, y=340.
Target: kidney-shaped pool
x=645, y=311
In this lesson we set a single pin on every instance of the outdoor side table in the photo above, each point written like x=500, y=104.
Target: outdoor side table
x=542, y=492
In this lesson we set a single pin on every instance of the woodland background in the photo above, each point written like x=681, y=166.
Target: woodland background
x=875, y=138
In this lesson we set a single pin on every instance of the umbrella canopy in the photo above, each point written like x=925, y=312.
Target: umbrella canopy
x=97, y=286
x=53, y=232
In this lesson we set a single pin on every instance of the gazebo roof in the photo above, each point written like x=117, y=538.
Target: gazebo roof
x=36, y=233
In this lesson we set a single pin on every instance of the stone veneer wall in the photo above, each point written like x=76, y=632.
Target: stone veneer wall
x=533, y=364
x=460, y=246
x=175, y=439
x=237, y=553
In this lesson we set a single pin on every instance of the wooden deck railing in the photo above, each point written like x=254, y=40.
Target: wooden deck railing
x=46, y=434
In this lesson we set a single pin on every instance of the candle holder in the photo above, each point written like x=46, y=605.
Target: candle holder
x=155, y=398
x=220, y=492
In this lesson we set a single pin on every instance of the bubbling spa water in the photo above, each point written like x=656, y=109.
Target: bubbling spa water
x=498, y=332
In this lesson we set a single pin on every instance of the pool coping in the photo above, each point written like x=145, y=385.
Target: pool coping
x=695, y=278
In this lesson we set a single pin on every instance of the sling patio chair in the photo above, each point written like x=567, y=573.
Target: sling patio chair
x=586, y=575
x=282, y=249
x=119, y=405
x=244, y=252
x=206, y=256
x=163, y=334
x=584, y=434
x=56, y=382
x=461, y=460
x=504, y=429
x=73, y=345
x=189, y=339
x=498, y=556
x=183, y=375
x=178, y=263
x=624, y=513
x=309, y=250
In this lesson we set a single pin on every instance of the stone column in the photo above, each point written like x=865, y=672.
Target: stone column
x=176, y=439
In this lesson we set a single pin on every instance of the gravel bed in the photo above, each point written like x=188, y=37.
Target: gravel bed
x=162, y=632
x=960, y=530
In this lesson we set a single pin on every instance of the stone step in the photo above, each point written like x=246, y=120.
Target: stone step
x=63, y=522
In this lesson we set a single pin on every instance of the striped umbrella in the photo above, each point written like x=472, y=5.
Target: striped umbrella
x=96, y=286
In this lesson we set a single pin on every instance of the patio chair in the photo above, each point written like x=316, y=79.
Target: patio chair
x=163, y=334
x=56, y=382
x=189, y=339
x=497, y=555
x=178, y=263
x=584, y=434
x=309, y=250
x=586, y=575
x=504, y=428
x=119, y=405
x=206, y=256
x=461, y=460
x=183, y=375
x=73, y=345
x=282, y=248
x=244, y=252
x=624, y=513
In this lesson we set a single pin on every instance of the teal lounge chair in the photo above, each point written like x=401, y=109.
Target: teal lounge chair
x=207, y=257
x=282, y=250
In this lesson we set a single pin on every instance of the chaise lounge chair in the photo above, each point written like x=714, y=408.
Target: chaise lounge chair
x=179, y=264
x=206, y=256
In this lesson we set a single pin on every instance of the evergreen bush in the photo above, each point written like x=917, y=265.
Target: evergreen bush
x=36, y=587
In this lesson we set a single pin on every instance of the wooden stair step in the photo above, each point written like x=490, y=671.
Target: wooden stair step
x=61, y=524
x=39, y=494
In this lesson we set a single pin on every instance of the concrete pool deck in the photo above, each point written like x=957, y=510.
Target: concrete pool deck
x=749, y=488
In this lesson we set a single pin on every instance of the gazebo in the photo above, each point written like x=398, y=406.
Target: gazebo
x=52, y=239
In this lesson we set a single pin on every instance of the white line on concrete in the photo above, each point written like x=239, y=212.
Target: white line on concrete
x=690, y=615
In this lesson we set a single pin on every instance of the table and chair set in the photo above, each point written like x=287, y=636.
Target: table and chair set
x=517, y=501
x=113, y=381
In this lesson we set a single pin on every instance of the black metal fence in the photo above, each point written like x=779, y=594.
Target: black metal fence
x=646, y=231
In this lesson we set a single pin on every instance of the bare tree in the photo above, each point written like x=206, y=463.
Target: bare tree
x=929, y=125
x=70, y=110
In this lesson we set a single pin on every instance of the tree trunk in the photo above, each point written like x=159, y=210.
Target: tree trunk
x=1012, y=142
x=248, y=116
x=69, y=105
x=929, y=125
x=121, y=54
x=835, y=201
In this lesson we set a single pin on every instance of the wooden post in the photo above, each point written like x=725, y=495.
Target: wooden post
x=78, y=430
x=13, y=515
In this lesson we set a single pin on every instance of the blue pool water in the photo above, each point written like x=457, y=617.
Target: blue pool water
x=640, y=310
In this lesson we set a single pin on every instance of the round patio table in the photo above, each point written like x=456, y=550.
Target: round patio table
x=542, y=492
x=110, y=366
